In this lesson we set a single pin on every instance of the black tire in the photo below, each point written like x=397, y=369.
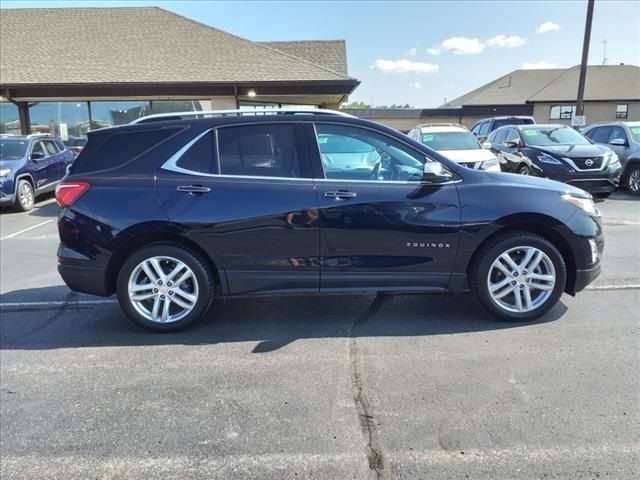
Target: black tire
x=200, y=268
x=479, y=273
x=633, y=187
x=524, y=170
x=25, y=196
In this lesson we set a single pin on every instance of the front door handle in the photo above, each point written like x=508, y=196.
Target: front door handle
x=193, y=189
x=340, y=194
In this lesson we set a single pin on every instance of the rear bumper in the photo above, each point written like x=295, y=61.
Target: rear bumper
x=81, y=276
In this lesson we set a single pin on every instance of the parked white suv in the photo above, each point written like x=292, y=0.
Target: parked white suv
x=456, y=143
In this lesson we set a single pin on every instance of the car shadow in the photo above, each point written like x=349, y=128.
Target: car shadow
x=40, y=209
x=272, y=322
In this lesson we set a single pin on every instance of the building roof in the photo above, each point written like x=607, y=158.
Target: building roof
x=52, y=46
x=604, y=82
x=330, y=54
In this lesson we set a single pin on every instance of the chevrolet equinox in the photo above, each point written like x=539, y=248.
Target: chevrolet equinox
x=177, y=209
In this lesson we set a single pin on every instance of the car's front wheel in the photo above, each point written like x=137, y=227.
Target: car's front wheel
x=165, y=287
x=633, y=179
x=518, y=276
x=25, y=196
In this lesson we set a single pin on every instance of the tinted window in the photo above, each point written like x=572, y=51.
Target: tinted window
x=50, y=146
x=617, y=132
x=37, y=148
x=476, y=128
x=600, y=134
x=351, y=153
x=500, y=136
x=511, y=136
x=200, y=157
x=268, y=150
x=484, y=127
x=451, y=140
x=511, y=121
x=119, y=148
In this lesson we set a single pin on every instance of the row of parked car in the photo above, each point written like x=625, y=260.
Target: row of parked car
x=597, y=159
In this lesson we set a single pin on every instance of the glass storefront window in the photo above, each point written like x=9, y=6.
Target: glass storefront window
x=170, y=106
x=9, y=118
x=108, y=114
x=68, y=121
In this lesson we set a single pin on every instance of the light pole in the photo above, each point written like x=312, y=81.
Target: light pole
x=585, y=57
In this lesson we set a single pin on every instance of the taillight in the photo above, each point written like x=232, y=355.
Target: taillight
x=68, y=192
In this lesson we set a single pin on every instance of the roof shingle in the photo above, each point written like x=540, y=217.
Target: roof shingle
x=137, y=45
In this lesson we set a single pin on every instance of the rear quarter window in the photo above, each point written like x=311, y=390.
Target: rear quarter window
x=119, y=148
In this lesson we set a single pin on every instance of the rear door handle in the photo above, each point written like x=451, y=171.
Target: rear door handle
x=193, y=189
x=340, y=195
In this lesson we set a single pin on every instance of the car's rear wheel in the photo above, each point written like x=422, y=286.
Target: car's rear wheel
x=165, y=287
x=633, y=179
x=518, y=276
x=25, y=196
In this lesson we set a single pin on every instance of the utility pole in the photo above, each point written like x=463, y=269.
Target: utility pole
x=585, y=57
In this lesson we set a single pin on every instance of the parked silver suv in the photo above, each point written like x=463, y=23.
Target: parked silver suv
x=624, y=139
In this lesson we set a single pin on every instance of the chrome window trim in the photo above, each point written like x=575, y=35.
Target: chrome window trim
x=172, y=161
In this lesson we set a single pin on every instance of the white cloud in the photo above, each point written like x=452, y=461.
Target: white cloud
x=548, y=27
x=411, y=52
x=433, y=51
x=415, y=85
x=538, y=65
x=503, y=41
x=463, y=45
x=403, y=66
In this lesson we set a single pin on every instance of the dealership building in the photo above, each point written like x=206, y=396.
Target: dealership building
x=612, y=92
x=67, y=71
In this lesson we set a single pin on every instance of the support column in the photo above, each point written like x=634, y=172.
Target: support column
x=25, y=120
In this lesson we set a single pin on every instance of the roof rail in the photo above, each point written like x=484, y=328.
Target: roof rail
x=33, y=135
x=424, y=125
x=238, y=112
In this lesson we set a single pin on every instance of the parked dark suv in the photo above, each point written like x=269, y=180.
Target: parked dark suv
x=30, y=165
x=557, y=152
x=173, y=211
x=624, y=139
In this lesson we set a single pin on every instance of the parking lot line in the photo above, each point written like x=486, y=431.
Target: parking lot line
x=20, y=232
x=629, y=286
x=57, y=303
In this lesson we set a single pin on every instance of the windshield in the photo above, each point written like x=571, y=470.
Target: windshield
x=635, y=133
x=511, y=121
x=451, y=141
x=553, y=136
x=342, y=144
x=12, y=149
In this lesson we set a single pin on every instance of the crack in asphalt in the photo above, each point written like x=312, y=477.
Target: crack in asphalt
x=363, y=408
x=69, y=299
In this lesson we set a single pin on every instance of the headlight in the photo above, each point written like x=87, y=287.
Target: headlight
x=544, y=158
x=611, y=159
x=584, y=204
x=4, y=172
x=487, y=164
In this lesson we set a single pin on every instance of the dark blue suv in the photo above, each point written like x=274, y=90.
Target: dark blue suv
x=30, y=166
x=175, y=210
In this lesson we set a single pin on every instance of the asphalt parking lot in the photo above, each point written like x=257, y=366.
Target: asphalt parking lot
x=318, y=387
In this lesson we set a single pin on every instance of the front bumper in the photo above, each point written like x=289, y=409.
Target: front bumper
x=585, y=277
x=7, y=199
x=592, y=181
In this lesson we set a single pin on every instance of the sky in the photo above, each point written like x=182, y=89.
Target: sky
x=422, y=52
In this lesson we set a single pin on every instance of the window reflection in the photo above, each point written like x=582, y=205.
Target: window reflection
x=108, y=114
x=170, y=106
x=9, y=118
x=69, y=121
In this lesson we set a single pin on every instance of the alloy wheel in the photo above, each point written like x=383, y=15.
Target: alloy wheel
x=634, y=180
x=25, y=195
x=521, y=279
x=163, y=289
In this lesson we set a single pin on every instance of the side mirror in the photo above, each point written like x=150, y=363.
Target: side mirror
x=618, y=141
x=37, y=155
x=513, y=144
x=487, y=145
x=434, y=172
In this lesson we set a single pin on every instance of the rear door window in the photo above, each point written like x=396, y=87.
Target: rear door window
x=484, y=128
x=265, y=150
x=200, y=158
